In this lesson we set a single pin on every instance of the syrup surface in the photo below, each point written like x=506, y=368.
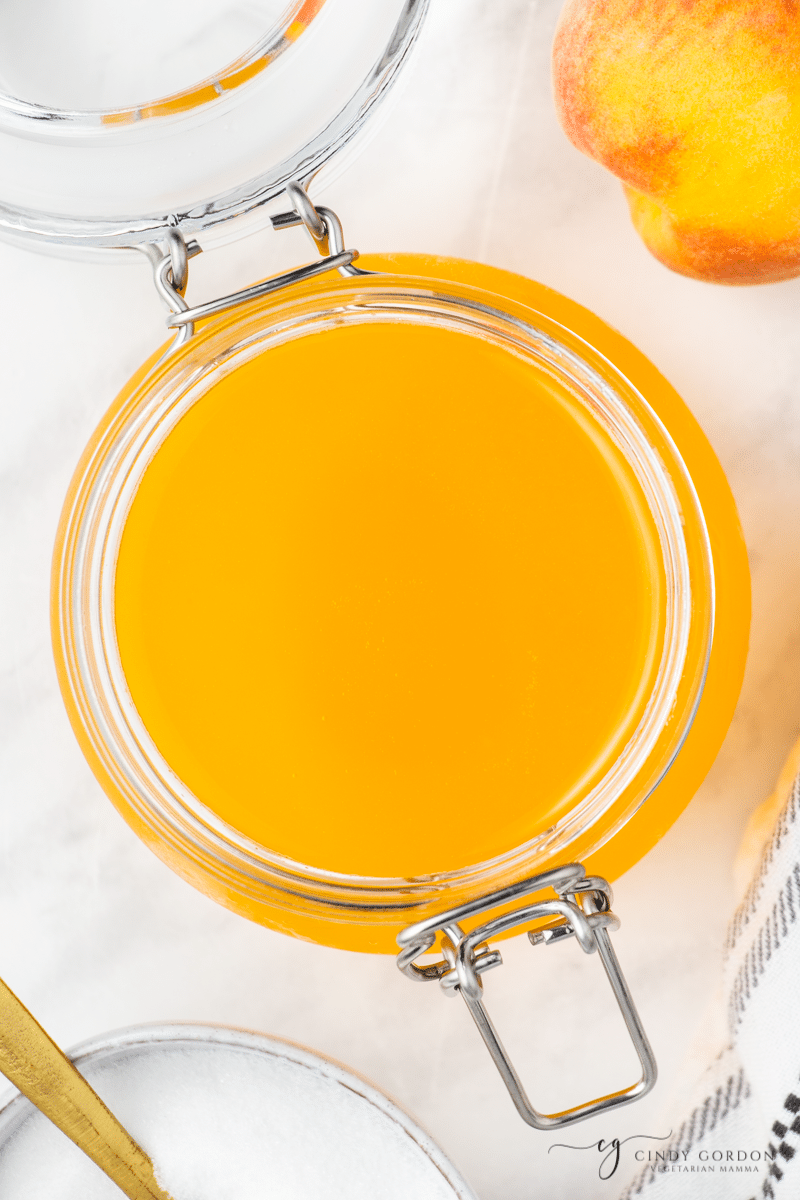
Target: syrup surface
x=388, y=601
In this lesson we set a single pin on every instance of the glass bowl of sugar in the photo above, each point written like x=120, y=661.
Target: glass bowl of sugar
x=230, y=1115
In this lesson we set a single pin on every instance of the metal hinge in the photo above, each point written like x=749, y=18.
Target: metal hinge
x=170, y=262
x=581, y=908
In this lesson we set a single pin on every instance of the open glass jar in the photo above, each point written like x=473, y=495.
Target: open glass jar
x=380, y=600
x=234, y=818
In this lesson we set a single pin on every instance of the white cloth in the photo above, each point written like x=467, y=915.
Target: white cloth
x=740, y=1139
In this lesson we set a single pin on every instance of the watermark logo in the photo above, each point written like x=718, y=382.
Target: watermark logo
x=701, y=1161
x=610, y=1151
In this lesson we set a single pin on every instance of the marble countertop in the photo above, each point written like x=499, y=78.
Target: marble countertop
x=97, y=933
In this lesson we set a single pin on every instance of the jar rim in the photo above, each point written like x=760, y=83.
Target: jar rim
x=209, y=90
x=86, y=598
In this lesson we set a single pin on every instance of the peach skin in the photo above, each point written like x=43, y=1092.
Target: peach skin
x=695, y=106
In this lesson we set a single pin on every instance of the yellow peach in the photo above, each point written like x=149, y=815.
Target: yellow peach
x=695, y=106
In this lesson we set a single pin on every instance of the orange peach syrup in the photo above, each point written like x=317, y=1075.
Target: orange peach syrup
x=387, y=601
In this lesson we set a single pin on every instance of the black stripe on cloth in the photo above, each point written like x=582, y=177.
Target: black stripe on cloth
x=746, y=910
x=701, y=1121
x=770, y=937
x=788, y=1143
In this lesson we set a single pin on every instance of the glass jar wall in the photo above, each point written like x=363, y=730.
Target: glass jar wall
x=432, y=556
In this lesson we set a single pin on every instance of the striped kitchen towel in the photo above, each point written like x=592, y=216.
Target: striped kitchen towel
x=741, y=1137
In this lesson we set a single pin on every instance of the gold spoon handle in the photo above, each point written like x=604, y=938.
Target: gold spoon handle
x=43, y=1073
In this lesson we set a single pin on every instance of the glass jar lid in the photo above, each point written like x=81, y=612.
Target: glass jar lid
x=106, y=142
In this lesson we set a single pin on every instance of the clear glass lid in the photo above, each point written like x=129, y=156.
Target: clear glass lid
x=116, y=125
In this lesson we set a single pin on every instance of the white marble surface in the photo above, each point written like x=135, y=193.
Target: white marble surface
x=96, y=933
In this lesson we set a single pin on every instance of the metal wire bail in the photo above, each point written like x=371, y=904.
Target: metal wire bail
x=581, y=908
x=322, y=225
x=170, y=262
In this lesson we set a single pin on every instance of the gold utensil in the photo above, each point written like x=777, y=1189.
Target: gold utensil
x=43, y=1073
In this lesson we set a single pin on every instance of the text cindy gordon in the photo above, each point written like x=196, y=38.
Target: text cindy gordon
x=705, y=1160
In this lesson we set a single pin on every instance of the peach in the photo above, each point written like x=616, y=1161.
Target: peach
x=695, y=106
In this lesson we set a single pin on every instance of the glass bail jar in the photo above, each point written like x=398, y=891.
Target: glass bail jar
x=388, y=592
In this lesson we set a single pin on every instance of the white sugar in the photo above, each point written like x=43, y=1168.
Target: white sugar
x=226, y=1123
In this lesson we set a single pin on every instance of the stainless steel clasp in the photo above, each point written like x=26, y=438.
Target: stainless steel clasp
x=580, y=908
x=171, y=264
